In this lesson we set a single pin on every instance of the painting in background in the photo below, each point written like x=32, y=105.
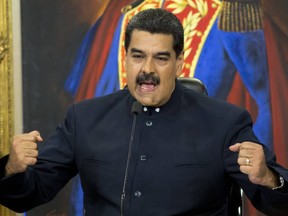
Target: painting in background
x=62, y=63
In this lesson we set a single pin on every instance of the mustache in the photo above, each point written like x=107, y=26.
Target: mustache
x=147, y=78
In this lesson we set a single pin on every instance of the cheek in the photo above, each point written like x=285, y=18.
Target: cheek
x=131, y=77
x=168, y=75
x=167, y=82
x=132, y=68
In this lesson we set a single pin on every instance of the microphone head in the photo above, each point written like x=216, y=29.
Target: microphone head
x=136, y=108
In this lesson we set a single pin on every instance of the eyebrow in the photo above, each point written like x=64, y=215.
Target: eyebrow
x=165, y=53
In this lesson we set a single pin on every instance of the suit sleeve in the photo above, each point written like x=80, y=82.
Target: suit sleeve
x=40, y=183
x=268, y=201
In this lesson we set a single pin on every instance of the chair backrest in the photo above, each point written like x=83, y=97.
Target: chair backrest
x=235, y=197
x=193, y=83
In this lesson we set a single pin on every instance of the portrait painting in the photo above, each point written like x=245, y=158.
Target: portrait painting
x=73, y=50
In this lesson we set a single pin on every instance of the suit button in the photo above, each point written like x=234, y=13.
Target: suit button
x=149, y=123
x=143, y=157
x=137, y=194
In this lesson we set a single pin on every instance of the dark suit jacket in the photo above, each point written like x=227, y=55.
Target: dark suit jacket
x=180, y=162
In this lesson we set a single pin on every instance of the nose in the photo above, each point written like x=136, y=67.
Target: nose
x=148, y=66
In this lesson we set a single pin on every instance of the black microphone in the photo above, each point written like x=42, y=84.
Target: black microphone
x=135, y=110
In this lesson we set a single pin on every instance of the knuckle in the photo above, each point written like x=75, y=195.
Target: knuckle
x=239, y=161
x=34, y=133
x=33, y=161
x=242, y=169
x=15, y=142
x=33, y=145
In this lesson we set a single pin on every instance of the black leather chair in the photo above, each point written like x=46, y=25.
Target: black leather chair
x=235, y=197
x=193, y=83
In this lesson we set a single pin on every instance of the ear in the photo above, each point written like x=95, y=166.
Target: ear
x=179, y=64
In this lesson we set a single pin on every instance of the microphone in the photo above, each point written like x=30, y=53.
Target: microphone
x=135, y=110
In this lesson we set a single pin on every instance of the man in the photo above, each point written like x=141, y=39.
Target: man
x=154, y=148
x=233, y=45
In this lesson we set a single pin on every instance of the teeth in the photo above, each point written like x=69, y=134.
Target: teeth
x=147, y=87
x=148, y=84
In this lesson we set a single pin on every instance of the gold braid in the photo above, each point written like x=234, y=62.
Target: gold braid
x=240, y=15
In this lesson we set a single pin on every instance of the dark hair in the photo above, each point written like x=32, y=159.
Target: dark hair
x=157, y=21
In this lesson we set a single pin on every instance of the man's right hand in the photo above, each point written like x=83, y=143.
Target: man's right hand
x=23, y=152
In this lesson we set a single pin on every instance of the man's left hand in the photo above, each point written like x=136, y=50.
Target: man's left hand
x=251, y=159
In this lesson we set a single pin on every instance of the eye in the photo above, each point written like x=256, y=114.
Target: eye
x=161, y=59
x=137, y=56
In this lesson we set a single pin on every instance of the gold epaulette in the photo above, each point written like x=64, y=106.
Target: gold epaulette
x=240, y=16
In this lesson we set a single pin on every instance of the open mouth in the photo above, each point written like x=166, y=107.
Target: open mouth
x=147, y=86
x=147, y=82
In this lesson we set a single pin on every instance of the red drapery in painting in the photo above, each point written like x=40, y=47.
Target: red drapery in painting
x=100, y=49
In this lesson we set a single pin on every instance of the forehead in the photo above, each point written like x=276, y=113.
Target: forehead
x=147, y=42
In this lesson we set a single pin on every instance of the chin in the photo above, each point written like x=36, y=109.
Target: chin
x=146, y=102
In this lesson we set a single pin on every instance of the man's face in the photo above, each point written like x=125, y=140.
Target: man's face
x=152, y=67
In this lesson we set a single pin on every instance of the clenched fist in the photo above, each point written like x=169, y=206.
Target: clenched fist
x=23, y=152
x=251, y=159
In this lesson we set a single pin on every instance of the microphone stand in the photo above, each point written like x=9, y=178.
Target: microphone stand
x=136, y=109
